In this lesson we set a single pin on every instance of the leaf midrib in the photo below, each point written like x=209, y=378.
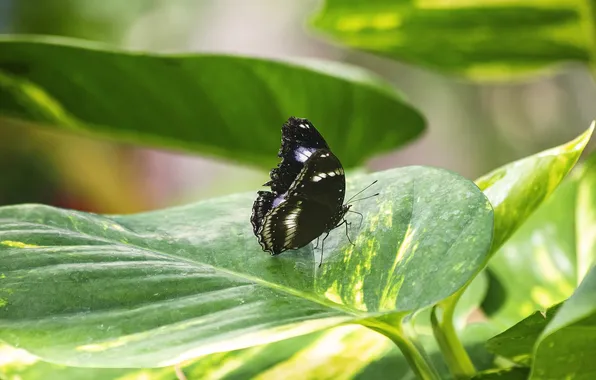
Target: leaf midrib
x=192, y=263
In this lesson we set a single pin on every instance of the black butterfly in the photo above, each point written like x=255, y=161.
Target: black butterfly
x=307, y=192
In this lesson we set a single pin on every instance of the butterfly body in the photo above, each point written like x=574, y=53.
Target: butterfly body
x=307, y=192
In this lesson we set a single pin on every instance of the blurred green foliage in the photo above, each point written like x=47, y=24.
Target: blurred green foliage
x=539, y=265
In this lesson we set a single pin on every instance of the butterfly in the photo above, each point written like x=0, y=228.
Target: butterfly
x=307, y=192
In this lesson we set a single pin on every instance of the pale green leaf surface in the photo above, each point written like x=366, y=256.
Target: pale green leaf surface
x=586, y=218
x=517, y=189
x=157, y=288
x=536, y=269
x=496, y=39
x=225, y=106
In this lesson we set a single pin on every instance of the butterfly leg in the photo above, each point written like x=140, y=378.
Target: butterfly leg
x=317, y=245
x=361, y=217
x=322, y=247
x=347, y=234
x=348, y=224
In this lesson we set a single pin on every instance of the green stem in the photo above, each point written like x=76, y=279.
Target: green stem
x=418, y=361
x=457, y=359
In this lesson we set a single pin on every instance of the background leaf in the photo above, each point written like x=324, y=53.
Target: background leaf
x=158, y=288
x=496, y=40
x=202, y=103
x=535, y=269
x=516, y=189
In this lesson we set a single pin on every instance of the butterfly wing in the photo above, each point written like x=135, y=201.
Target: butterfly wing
x=322, y=180
x=260, y=208
x=284, y=226
x=312, y=205
x=299, y=140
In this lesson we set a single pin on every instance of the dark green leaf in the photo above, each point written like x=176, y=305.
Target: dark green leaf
x=158, y=288
x=559, y=343
x=227, y=106
x=504, y=374
x=567, y=347
x=517, y=343
x=483, y=41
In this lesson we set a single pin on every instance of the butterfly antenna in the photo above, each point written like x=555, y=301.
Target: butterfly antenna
x=361, y=199
x=360, y=192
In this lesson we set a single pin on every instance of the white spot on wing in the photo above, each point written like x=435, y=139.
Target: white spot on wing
x=301, y=154
x=290, y=222
x=277, y=200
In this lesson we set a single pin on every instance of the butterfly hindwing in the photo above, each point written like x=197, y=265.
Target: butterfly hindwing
x=260, y=208
x=283, y=227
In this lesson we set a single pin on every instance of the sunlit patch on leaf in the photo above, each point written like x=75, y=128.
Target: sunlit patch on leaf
x=18, y=244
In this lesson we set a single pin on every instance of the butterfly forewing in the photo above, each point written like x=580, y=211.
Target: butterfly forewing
x=299, y=139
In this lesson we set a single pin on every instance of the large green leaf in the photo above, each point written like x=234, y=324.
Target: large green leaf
x=344, y=352
x=158, y=288
x=227, y=106
x=499, y=39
